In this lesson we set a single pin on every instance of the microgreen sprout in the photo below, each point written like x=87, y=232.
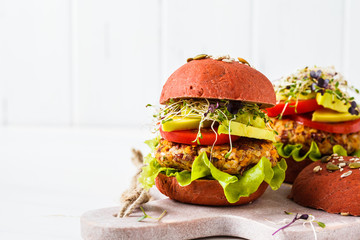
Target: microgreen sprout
x=227, y=155
x=147, y=216
x=308, y=218
x=207, y=110
x=214, y=111
x=315, y=80
x=321, y=224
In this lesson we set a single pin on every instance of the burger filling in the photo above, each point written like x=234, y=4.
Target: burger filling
x=200, y=114
x=227, y=141
x=315, y=112
x=245, y=153
x=291, y=132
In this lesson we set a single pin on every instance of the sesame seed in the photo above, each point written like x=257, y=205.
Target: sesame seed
x=344, y=214
x=316, y=169
x=348, y=173
x=342, y=164
x=226, y=60
x=341, y=169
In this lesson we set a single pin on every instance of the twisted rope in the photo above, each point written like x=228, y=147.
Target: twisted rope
x=135, y=195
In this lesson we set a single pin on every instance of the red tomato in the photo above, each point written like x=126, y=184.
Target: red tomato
x=303, y=106
x=188, y=137
x=341, y=127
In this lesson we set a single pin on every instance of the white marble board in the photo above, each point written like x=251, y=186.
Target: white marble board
x=184, y=221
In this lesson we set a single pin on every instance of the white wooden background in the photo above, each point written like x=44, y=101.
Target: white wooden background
x=99, y=62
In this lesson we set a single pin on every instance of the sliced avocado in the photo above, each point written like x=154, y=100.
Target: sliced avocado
x=248, y=119
x=328, y=115
x=330, y=101
x=240, y=129
x=183, y=123
x=299, y=96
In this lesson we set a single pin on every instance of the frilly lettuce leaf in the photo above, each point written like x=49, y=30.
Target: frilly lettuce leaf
x=293, y=150
x=235, y=186
x=340, y=150
x=356, y=153
x=279, y=174
x=152, y=143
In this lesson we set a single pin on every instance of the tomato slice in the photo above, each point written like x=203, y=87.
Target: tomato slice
x=188, y=137
x=340, y=127
x=303, y=106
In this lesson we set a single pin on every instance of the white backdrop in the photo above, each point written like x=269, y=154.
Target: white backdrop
x=99, y=62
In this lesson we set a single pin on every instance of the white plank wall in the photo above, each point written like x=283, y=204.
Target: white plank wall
x=352, y=40
x=99, y=62
x=295, y=34
x=118, y=49
x=204, y=26
x=35, y=62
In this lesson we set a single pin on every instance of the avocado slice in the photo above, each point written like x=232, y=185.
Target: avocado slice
x=243, y=130
x=183, y=123
x=248, y=119
x=330, y=101
x=328, y=115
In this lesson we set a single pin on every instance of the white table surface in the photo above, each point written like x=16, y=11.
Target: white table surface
x=50, y=176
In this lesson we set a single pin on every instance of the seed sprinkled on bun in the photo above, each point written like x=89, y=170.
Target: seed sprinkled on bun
x=332, y=186
x=214, y=79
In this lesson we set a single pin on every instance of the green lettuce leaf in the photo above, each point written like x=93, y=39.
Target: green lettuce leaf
x=235, y=186
x=356, y=153
x=340, y=150
x=293, y=150
x=152, y=143
x=279, y=174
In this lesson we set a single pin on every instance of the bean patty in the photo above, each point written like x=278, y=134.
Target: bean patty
x=245, y=153
x=291, y=132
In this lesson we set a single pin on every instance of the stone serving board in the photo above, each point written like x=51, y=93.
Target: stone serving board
x=257, y=220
